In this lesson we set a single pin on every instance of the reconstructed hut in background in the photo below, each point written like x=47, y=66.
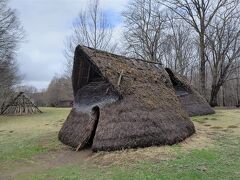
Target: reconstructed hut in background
x=64, y=103
x=122, y=103
x=190, y=99
x=20, y=105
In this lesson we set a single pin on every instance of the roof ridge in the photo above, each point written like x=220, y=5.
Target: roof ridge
x=119, y=56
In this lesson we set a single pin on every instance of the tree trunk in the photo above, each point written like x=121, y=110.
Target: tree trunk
x=214, y=93
x=223, y=96
x=202, y=71
x=238, y=98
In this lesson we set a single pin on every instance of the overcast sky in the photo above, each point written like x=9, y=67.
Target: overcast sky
x=47, y=23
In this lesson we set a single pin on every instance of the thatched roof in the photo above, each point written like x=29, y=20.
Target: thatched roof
x=20, y=105
x=137, y=103
x=190, y=99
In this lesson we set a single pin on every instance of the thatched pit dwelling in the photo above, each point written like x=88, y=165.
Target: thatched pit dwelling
x=191, y=101
x=64, y=103
x=122, y=103
x=20, y=105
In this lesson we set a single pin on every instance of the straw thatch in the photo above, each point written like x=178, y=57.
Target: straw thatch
x=190, y=99
x=20, y=105
x=122, y=103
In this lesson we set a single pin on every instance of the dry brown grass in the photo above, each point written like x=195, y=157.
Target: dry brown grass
x=232, y=126
x=132, y=156
x=207, y=128
x=200, y=140
x=216, y=127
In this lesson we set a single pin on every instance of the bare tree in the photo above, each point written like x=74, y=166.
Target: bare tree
x=8, y=78
x=179, y=47
x=199, y=15
x=29, y=90
x=237, y=74
x=11, y=33
x=58, y=90
x=92, y=29
x=234, y=82
x=223, y=47
x=144, y=25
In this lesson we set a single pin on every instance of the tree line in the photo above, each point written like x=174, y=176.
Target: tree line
x=11, y=34
x=199, y=39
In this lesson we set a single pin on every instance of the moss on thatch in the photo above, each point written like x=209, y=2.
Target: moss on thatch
x=190, y=99
x=137, y=102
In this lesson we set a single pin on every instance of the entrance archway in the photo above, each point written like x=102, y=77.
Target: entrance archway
x=95, y=114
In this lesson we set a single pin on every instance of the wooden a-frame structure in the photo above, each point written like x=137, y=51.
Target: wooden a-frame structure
x=20, y=105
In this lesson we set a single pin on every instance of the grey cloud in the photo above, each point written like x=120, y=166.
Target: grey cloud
x=47, y=23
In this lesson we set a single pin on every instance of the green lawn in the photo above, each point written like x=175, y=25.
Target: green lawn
x=29, y=149
x=24, y=136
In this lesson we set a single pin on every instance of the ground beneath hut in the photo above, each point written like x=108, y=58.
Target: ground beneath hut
x=29, y=149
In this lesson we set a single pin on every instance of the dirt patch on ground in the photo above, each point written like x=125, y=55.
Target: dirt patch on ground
x=64, y=157
x=232, y=126
x=216, y=127
x=46, y=161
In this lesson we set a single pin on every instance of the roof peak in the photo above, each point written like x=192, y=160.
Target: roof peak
x=117, y=55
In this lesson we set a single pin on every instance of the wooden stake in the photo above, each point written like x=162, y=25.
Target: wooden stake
x=120, y=78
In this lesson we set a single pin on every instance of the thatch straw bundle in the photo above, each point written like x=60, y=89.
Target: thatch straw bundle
x=137, y=104
x=190, y=99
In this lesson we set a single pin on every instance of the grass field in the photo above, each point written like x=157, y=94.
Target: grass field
x=29, y=149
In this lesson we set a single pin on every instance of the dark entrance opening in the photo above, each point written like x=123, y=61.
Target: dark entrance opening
x=95, y=114
x=180, y=88
x=171, y=75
